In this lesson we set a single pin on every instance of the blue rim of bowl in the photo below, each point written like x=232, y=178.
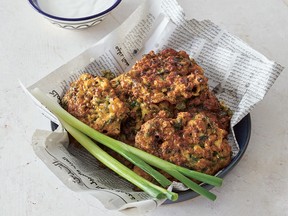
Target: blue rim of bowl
x=242, y=132
x=34, y=4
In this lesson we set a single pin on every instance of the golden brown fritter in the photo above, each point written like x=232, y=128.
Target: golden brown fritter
x=192, y=141
x=167, y=76
x=93, y=101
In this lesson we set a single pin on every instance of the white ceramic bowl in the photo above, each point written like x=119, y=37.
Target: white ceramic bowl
x=74, y=14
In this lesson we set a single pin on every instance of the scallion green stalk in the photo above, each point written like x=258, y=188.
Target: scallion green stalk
x=152, y=189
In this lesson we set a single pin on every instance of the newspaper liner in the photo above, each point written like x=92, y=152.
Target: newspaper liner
x=239, y=75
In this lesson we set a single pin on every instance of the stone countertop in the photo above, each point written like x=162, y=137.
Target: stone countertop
x=31, y=47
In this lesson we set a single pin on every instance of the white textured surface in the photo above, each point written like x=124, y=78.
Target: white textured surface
x=30, y=48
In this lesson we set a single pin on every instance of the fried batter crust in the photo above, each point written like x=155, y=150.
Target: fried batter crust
x=207, y=103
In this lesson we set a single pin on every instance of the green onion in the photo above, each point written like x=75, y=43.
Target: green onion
x=116, y=166
x=124, y=149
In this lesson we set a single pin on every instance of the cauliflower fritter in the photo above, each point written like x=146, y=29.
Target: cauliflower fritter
x=165, y=76
x=190, y=140
x=93, y=101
